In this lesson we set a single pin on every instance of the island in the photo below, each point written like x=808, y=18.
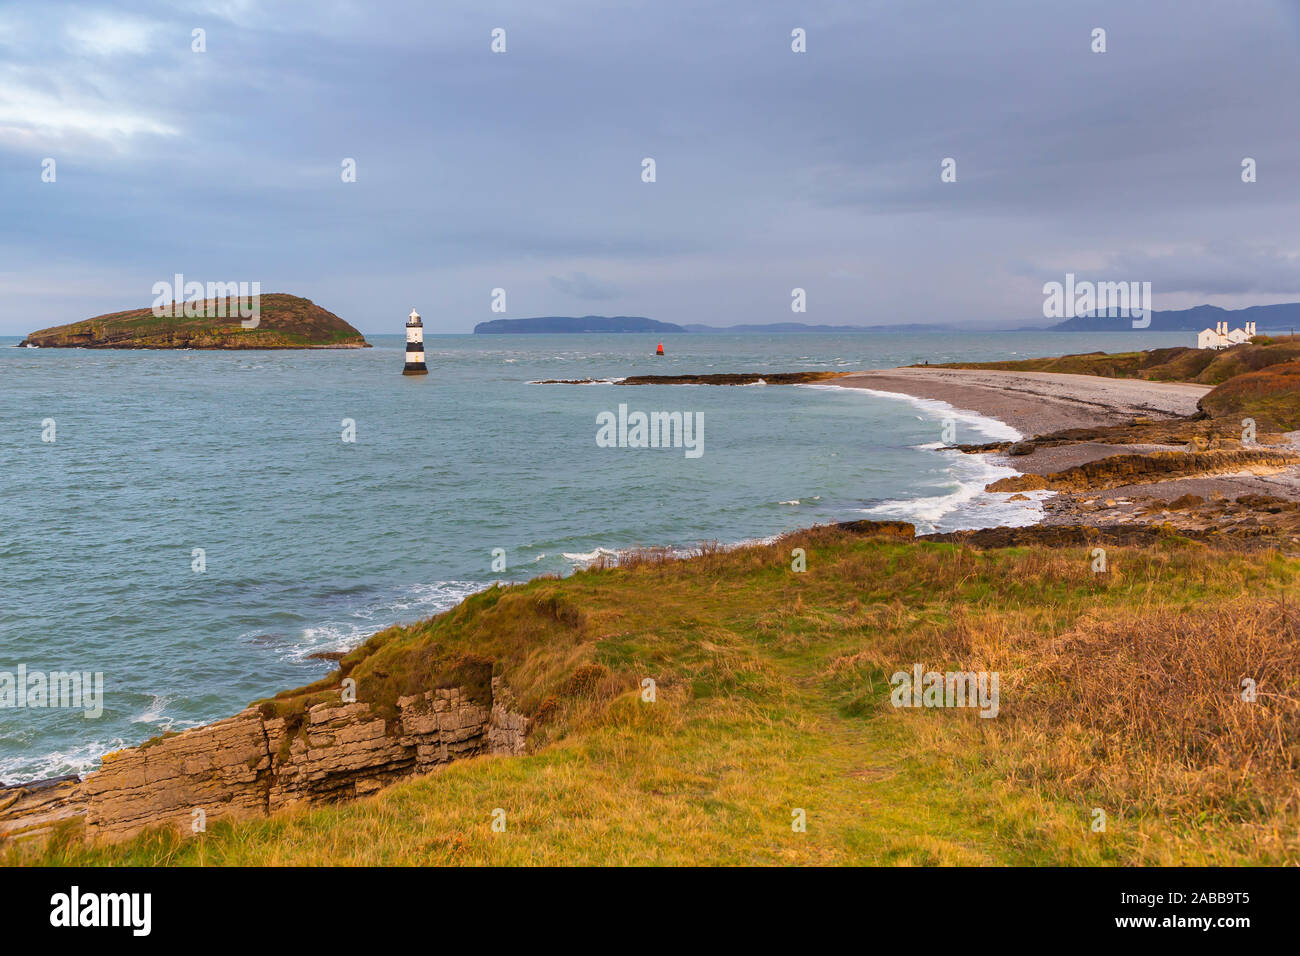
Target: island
x=565, y=323
x=283, y=322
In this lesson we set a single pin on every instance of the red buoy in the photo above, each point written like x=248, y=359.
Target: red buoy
x=660, y=350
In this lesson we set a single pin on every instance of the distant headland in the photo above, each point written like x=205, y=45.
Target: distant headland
x=281, y=321
x=1271, y=317
x=551, y=324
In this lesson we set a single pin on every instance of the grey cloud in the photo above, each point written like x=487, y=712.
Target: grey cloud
x=1221, y=268
x=775, y=169
x=582, y=286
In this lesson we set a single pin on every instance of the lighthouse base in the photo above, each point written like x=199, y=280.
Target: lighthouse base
x=415, y=370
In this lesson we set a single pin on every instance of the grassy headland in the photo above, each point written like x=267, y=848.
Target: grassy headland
x=284, y=322
x=1120, y=691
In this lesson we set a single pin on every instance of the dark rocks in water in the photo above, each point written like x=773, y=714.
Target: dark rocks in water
x=732, y=378
x=717, y=378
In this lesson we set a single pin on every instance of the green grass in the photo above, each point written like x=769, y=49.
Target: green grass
x=1118, y=691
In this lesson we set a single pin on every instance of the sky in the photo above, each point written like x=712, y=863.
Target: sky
x=522, y=170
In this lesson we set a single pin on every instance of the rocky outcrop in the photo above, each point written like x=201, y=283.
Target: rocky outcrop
x=33, y=809
x=1118, y=470
x=252, y=764
x=1248, y=521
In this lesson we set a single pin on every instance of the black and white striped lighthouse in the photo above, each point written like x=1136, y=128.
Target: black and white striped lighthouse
x=414, y=346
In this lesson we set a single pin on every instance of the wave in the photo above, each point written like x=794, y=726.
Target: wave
x=594, y=381
x=352, y=629
x=992, y=428
x=586, y=559
x=583, y=558
x=79, y=760
x=966, y=504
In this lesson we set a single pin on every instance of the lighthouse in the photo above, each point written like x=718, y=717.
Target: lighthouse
x=414, y=346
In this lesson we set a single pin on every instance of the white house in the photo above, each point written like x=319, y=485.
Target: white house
x=1220, y=338
x=1237, y=336
x=1210, y=338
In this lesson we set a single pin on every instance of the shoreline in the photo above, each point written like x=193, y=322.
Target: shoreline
x=1038, y=404
x=1015, y=511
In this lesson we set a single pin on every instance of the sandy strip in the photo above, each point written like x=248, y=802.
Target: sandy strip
x=1035, y=403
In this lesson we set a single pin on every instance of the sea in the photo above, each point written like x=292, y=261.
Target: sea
x=195, y=526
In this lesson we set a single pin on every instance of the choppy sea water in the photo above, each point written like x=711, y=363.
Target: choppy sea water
x=311, y=543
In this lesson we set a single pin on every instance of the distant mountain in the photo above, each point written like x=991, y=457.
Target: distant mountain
x=1277, y=317
x=801, y=327
x=564, y=323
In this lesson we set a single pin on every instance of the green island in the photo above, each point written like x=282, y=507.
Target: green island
x=284, y=322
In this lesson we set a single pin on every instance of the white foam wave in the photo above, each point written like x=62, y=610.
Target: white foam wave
x=586, y=557
x=79, y=760
x=594, y=381
x=156, y=714
x=419, y=601
x=984, y=425
x=965, y=504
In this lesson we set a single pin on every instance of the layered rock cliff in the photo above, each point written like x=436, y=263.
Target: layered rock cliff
x=255, y=763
